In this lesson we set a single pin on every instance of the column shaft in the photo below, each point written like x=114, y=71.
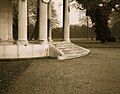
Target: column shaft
x=22, y=21
x=43, y=22
x=66, y=28
x=5, y=20
x=10, y=27
x=49, y=21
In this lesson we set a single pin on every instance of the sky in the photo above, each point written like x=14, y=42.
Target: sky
x=74, y=14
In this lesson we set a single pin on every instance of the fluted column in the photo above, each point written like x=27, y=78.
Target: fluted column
x=66, y=26
x=22, y=21
x=43, y=25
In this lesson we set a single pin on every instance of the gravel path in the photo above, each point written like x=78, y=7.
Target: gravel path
x=97, y=73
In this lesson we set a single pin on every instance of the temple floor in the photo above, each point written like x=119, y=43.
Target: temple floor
x=96, y=73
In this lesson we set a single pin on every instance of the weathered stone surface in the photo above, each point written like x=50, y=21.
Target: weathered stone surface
x=10, y=51
x=68, y=50
x=24, y=51
x=1, y=51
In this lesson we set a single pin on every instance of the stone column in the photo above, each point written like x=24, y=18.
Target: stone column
x=10, y=26
x=66, y=28
x=49, y=21
x=5, y=20
x=22, y=22
x=43, y=21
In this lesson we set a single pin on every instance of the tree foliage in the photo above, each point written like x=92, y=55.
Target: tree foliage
x=54, y=19
x=115, y=24
x=99, y=12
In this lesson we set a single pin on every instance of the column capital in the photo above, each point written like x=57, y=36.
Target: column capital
x=23, y=0
x=45, y=1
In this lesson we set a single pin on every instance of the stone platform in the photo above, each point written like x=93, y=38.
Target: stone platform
x=60, y=50
x=20, y=51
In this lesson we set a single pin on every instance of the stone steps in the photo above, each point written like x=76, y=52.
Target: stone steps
x=69, y=50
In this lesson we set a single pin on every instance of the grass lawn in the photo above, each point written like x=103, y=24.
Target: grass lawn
x=96, y=73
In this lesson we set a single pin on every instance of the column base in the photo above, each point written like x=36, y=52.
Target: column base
x=24, y=42
x=10, y=39
x=68, y=40
x=50, y=40
x=43, y=41
x=5, y=42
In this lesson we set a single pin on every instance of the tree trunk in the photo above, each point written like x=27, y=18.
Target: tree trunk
x=101, y=26
x=100, y=17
